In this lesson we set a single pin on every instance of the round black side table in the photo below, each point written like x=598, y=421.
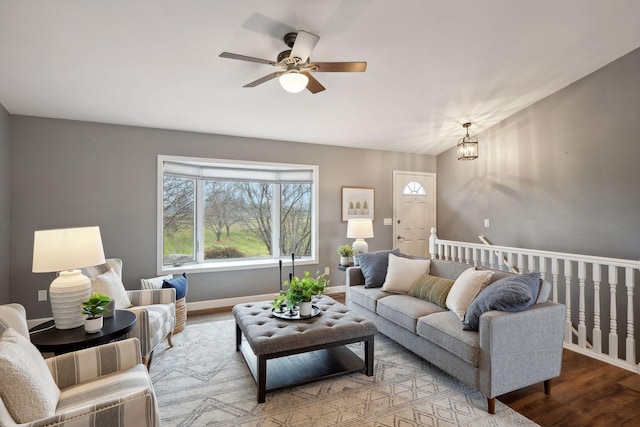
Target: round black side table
x=48, y=339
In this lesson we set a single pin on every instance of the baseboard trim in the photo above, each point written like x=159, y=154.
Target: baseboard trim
x=210, y=306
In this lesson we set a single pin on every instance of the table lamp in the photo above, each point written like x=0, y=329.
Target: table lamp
x=66, y=251
x=359, y=229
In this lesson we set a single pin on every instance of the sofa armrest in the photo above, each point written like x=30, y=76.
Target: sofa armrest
x=354, y=276
x=152, y=296
x=88, y=364
x=520, y=349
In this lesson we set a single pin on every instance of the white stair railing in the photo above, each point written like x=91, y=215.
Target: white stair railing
x=585, y=278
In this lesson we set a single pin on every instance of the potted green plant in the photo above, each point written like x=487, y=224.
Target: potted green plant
x=345, y=252
x=93, y=308
x=300, y=292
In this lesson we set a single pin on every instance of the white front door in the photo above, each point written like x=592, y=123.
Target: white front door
x=414, y=211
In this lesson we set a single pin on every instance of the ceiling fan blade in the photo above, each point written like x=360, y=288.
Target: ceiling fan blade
x=305, y=42
x=314, y=85
x=349, y=67
x=246, y=58
x=264, y=79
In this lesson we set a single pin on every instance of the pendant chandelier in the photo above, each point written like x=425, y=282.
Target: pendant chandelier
x=467, y=146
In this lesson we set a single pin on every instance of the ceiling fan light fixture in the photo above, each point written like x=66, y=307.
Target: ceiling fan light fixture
x=467, y=146
x=293, y=81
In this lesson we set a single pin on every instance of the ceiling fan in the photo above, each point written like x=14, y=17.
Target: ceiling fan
x=296, y=68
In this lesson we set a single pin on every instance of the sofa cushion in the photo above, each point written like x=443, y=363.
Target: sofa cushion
x=465, y=288
x=374, y=267
x=448, y=269
x=513, y=293
x=366, y=297
x=405, y=311
x=444, y=330
x=26, y=385
x=110, y=284
x=432, y=288
x=402, y=272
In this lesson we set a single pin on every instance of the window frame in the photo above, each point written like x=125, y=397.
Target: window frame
x=201, y=266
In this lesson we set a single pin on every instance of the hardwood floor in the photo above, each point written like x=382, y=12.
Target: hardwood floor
x=587, y=393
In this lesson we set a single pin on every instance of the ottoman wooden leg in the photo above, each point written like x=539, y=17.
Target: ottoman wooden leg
x=368, y=355
x=262, y=378
x=238, y=337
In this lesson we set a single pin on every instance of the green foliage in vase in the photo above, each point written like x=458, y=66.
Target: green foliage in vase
x=301, y=290
x=95, y=305
x=345, y=250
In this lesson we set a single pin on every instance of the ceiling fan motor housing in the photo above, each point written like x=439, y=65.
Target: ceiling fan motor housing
x=290, y=39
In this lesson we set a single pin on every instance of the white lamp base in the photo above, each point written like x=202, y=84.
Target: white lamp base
x=359, y=247
x=67, y=293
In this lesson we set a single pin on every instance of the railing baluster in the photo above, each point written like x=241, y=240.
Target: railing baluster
x=483, y=257
x=467, y=255
x=631, y=341
x=613, y=315
x=582, y=327
x=567, y=296
x=542, y=267
x=521, y=263
x=555, y=272
x=531, y=264
x=597, y=332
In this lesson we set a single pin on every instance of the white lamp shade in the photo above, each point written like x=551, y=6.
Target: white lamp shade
x=360, y=228
x=67, y=249
x=293, y=82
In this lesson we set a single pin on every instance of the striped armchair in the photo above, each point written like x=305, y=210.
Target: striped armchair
x=155, y=311
x=104, y=386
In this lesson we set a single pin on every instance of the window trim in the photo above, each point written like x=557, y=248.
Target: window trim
x=234, y=264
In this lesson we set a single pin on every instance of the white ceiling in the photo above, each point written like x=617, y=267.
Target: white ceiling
x=432, y=64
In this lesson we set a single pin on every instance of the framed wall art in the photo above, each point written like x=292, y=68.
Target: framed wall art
x=357, y=202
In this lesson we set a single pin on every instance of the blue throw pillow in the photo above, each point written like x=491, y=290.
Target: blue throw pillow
x=374, y=267
x=513, y=293
x=179, y=284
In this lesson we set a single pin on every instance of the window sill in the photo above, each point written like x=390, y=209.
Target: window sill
x=214, y=267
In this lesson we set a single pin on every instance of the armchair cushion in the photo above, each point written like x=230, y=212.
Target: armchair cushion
x=27, y=387
x=154, y=282
x=110, y=284
x=179, y=283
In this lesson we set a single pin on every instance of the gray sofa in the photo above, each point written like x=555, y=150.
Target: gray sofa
x=508, y=352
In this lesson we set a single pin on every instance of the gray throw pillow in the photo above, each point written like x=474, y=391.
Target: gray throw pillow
x=374, y=267
x=513, y=293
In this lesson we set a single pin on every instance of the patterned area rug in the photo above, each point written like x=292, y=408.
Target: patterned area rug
x=203, y=381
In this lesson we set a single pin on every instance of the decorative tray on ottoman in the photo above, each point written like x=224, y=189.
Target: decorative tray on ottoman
x=287, y=315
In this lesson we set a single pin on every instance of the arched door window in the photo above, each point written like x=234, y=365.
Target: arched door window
x=414, y=188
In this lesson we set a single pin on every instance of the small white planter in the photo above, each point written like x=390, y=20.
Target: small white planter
x=93, y=325
x=344, y=260
x=305, y=308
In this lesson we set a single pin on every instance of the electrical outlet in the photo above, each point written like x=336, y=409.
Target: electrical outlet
x=327, y=271
x=42, y=295
x=486, y=223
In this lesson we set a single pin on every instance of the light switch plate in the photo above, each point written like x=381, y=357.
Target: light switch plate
x=486, y=223
x=387, y=221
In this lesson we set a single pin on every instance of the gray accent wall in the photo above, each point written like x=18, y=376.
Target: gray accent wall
x=69, y=174
x=562, y=175
x=5, y=238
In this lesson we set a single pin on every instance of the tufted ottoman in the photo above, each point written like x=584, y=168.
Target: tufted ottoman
x=296, y=352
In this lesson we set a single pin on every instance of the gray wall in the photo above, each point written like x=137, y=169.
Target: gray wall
x=69, y=173
x=5, y=238
x=561, y=175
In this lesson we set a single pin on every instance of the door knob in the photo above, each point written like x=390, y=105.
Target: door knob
x=400, y=237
